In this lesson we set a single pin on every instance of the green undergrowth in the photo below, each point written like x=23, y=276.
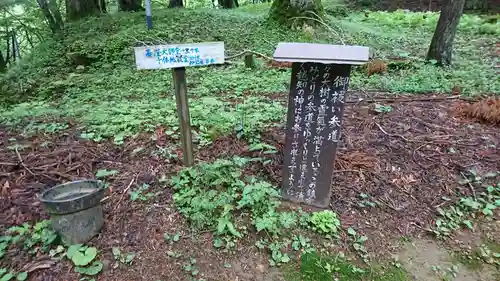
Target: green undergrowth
x=477, y=257
x=220, y=196
x=121, y=118
x=224, y=197
x=109, y=99
x=316, y=267
x=472, y=24
x=407, y=35
x=483, y=203
x=40, y=239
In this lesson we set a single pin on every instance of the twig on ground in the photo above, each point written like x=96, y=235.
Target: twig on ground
x=415, y=158
x=43, y=263
x=398, y=100
x=418, y=226
x=44, y=167
x=74, y=168
x=8, y=164
x=124, y=192
x=268, y=42
x=56, y=173
x=198, y=233
x=470, y=185
x=391, y=135
x=139, y=41
x=434, y=126
x=342, y=171
x=22, y=163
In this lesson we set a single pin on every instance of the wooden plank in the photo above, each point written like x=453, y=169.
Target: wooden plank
x=322, y=53
x=315, y=109
x=179, y=55
x=179, y=76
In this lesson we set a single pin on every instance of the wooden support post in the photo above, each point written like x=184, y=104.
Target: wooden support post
x=249, y=60
x=179, y=77
x=177, y=57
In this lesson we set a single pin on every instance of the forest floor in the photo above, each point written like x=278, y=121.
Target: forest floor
x=393, y=171
x=416, y=184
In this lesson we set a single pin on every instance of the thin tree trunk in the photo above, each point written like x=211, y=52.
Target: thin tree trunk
x=56, y=14
x=78, y=9
x=3, y=63
x=227, y=4
x=130, y=5
x=442, y=42
x=53, y=25
x=175, y=4
x=14, y=49
x=102, y=6
x=7, y=57
x=16, y=43
x=29, y=38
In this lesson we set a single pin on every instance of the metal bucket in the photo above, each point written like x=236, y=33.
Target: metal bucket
x=75, y=210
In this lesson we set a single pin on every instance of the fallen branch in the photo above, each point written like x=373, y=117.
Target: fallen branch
x=343, y=171
x=470, y=185
x=22, y=163
x=124, y=192
x=40, y=264
x=247, y=52
x=8, y=164
x=391, y=135
x=415, y=158
x=401, y=100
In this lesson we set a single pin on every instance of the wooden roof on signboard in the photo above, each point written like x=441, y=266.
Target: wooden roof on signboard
x=322, y=53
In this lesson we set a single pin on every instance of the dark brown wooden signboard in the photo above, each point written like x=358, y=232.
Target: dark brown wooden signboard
x=314, y=121
x=315, y=109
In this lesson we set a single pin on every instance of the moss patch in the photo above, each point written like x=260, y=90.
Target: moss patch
x=314, y=267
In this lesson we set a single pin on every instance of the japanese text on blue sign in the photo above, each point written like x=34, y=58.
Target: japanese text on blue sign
x=178, y=55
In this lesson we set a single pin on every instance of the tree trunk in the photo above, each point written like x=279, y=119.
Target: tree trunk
x=249, y=61
x=3, y=63
x=442, y=42
x=175, y=4
x=52, y=14
x=56, y=13
x=227, y=4
x=284, y=11
x=130, y=5
x=12, y=36
x=102, y=6
x=78, y=9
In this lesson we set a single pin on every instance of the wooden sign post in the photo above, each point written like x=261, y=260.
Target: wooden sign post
x=178, y=57
x=149, y=18
x=320, y=78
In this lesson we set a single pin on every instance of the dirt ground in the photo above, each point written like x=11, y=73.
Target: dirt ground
x=424, y=259
x=406, y=159
x=430, y=259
